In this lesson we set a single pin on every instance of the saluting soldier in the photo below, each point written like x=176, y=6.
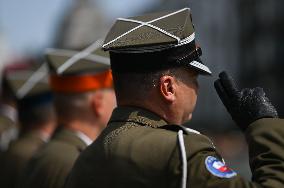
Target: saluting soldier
x=36, y=118
x=155, y=64
x=84, y=99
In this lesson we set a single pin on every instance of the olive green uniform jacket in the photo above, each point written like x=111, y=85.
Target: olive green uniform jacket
x=138, y=149
x=17, y=156
x=50, y=167
x=8, y=132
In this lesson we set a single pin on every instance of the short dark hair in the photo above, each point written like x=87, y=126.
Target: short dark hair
x=7, y=94
x=70, y=106
x=143, y=70
x=137, y=84
x=35, y=115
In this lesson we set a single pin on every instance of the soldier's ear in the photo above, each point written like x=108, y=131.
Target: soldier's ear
x=168, y=88
x=96, y=103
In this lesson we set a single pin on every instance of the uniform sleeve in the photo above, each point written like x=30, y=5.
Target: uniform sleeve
x=265, y=139
x=205, y=167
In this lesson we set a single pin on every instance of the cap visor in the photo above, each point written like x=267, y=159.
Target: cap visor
x=200, y=67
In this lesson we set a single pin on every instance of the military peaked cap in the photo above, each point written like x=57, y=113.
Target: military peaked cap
x=154, y=41
x=90, y=60
x=79, y=71
x=28, y=82
x=30, y=86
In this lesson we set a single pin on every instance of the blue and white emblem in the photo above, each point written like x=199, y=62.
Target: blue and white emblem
x=218, y=168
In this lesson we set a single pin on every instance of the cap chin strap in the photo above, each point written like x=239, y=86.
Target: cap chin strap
x=148, y=24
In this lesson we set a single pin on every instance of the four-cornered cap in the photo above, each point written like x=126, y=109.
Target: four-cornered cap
x=15, y=65
x=29, y=83
x=154, y=34
x=67, y=62
x=73, y=71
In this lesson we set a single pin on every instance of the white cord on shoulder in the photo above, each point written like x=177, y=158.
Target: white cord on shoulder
x=37, y=76
x=82, y=54
x=146, y=24
x=184, y=159
x=189, y=130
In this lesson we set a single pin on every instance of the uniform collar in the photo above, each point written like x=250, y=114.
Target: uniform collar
x=71, y=137
x=137, y=115
x=35, y=135
x=84, y=138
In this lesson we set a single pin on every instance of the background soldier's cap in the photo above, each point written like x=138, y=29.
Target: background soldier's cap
x=30, y=85
x=79, y=71
x=12, y=67
x=67, y=62
x=166, y=37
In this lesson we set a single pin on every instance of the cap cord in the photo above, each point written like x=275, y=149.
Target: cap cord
x=149, y=25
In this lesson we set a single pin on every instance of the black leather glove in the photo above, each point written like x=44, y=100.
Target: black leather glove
x=246, y=105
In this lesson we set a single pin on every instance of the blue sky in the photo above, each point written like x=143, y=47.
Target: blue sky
x=122, y=8
x=29, y=25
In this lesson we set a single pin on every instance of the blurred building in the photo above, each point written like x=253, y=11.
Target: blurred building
x=83, y=24
x=262, y=47
x=216, y=24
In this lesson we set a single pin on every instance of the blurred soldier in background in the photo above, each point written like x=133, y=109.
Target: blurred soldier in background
x=37, y=122
x=84, y=100
x=155, y=64
x=8, y=111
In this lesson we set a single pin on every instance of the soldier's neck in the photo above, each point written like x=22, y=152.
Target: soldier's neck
x=158, y=107
x=89, y=129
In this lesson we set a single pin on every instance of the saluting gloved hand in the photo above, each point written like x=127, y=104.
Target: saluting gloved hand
x=246, y=105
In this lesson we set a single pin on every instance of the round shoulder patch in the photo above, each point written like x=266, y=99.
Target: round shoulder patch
x=218, y=168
